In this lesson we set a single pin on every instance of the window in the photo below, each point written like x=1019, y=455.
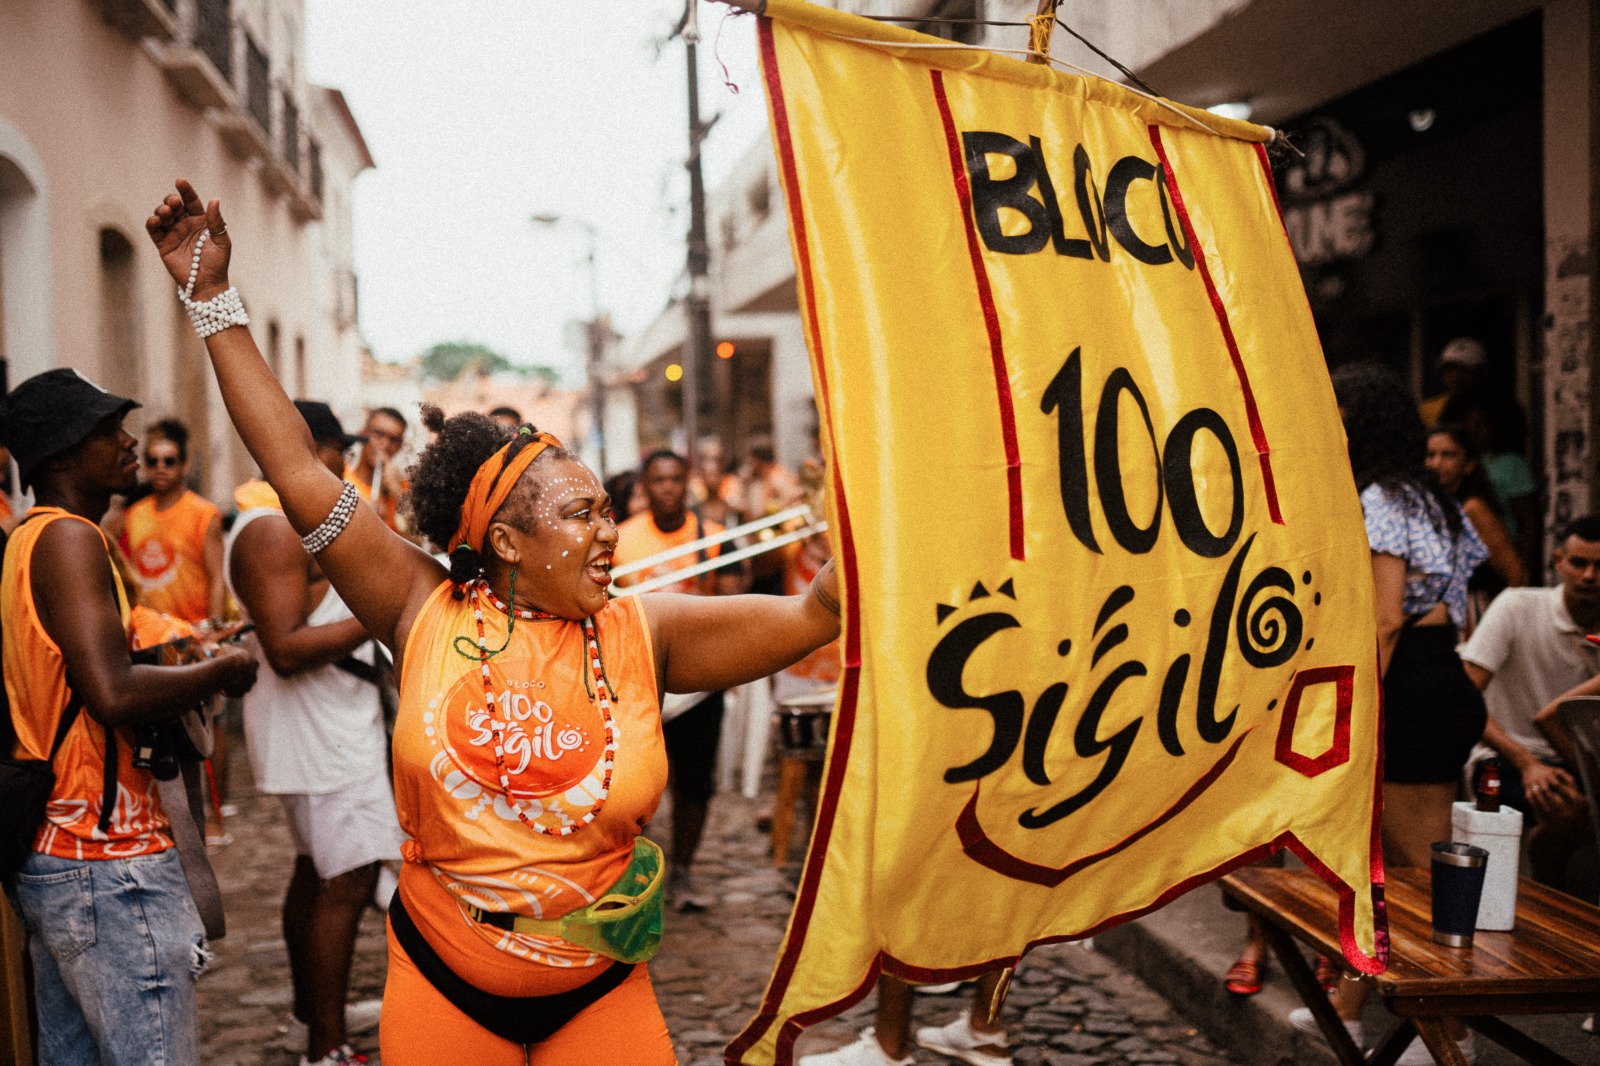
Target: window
x=291, y=134
x=213, y=34
x=274, y=348
x=258, y=83
x=121, y=368
x=966, y=32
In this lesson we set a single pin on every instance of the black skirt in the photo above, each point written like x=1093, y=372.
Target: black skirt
x=1432, y=712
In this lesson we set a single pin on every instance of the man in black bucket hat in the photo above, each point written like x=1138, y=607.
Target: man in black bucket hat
x=104, y=860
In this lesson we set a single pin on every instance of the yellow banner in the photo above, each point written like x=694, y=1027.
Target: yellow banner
x=1109, y=621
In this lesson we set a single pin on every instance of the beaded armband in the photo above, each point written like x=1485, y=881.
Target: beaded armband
x=343, y=510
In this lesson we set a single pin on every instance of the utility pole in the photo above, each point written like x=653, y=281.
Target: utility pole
x=597, y=333
x=697, y=343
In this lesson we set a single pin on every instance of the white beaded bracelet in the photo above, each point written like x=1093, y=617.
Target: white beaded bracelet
x=216, y=314
x=343, y=510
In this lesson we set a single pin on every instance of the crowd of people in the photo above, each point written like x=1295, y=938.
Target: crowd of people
x=466, y=727
x=1473, y=661
x=434, y=677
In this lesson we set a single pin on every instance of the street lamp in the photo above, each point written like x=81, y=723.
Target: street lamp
x=595, y=354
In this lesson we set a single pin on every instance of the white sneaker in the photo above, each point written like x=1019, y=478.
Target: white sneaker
x=866, y=1051
x=1417, y=1053
x=339, y=1056
x=1587, y=1025
x=359, y=1017
x=937, y=990
x=959, y=1040
x=1302, y=1019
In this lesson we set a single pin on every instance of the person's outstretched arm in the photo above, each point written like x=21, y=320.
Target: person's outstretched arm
x=709, y=643
x=383, y=577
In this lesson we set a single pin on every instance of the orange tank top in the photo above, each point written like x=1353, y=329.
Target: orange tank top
x=821, y=666
x=36, y=682
x=468, y=843
x=388, y=508
x=639, y=538
x=167, y=550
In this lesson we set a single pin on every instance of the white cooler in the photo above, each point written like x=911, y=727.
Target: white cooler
x=1500, y=834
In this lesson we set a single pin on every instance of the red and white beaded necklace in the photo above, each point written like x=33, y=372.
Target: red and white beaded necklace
x=599, y=691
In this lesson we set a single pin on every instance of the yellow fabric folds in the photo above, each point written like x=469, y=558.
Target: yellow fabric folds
x=1109, y=620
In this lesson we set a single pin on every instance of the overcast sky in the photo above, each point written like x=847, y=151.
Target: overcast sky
x=482, y=113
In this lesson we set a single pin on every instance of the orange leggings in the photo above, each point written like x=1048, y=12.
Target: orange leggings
x=420, y=1027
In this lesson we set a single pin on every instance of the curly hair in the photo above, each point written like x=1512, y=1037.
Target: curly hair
x=443, y=473
x=170, y=429
x=1388, y=444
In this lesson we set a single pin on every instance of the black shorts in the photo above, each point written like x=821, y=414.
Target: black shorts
x=1432, y=712
x=692, y=738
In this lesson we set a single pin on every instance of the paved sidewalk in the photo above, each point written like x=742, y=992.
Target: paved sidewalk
x=1070, y=1006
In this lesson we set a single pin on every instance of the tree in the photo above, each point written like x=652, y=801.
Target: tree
x=448, y=361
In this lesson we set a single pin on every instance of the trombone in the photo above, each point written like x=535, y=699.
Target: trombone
x=812, y=523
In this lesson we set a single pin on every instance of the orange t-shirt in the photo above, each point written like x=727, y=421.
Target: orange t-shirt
x=255, y=494
x=167, y=549
x=639, y=538
x=468, y=844
x=390, y=509
x=36, y=682
x=823, y=665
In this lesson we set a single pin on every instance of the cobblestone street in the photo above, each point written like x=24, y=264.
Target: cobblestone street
x=1069, y=1006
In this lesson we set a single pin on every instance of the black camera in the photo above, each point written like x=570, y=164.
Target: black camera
x=156, y=748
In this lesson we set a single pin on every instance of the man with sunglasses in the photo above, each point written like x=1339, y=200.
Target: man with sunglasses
x=173, y=536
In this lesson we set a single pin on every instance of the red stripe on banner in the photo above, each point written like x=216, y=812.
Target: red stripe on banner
x=850, y=684
x=991, y=320
x=1257, y=434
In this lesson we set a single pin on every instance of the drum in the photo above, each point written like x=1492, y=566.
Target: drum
x=803, y=724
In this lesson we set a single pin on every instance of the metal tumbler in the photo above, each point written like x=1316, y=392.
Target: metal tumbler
x=1458, y=871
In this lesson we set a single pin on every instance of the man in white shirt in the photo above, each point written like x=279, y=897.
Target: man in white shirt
x=1528, y=650
x=314, y=731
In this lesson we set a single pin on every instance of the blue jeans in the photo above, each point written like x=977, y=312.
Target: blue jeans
x=116, y=946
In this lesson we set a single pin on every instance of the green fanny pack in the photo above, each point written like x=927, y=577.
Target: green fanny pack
x=624, y=924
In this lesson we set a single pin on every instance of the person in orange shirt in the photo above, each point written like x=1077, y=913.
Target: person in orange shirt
x=115, y=940
x=691, y=722
x=173, y=537
x=382, y=439
x=527, y=749
x=714, y=488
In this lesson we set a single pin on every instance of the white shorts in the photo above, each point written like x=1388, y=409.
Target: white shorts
x=345, y=830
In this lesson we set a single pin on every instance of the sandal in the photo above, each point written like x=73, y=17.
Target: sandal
x=1244, y=979
x=1327, y=973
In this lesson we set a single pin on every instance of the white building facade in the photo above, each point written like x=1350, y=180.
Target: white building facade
x=102, y=104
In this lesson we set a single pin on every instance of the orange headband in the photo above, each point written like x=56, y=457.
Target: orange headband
x=492, y=484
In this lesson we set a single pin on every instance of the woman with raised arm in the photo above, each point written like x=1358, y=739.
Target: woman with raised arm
x=527, y=753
